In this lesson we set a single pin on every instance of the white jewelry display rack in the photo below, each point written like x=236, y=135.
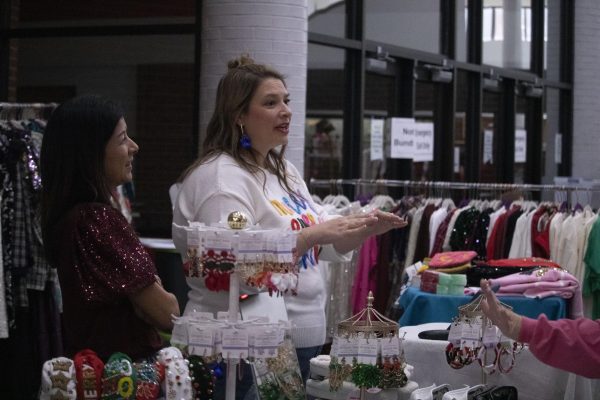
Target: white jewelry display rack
x=282, y=252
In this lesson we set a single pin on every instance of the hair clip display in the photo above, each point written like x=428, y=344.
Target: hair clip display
x=58, y=379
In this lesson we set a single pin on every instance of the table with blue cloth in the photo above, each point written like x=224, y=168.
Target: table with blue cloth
x=423, y=307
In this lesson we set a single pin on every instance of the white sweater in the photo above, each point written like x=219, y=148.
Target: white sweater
x=220, y=186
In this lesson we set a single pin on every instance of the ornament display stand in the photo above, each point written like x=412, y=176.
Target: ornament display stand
x=370, y=323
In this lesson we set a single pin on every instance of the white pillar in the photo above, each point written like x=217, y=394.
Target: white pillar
x=272, y=32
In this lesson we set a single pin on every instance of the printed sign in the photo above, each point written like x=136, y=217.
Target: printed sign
x=376, y=139
x=402, y=137
x=423, y=142
x=520, y=145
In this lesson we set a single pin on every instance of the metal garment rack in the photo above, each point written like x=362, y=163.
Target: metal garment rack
x=439, y=185
x=443, y=185
x=18, y=111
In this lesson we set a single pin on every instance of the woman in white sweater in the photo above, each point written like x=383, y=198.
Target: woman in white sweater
x=242, y=168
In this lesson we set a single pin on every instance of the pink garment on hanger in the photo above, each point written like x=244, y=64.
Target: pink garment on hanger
x=365, y=278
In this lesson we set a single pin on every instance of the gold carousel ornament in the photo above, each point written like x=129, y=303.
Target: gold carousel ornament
x=237, y=220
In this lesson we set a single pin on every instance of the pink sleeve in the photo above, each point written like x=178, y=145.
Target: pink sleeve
x=569, y=344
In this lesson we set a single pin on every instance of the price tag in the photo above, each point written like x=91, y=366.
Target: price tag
x=491, y=336
x=471, y=334
x=455, y=333
x=266, y=343
x=235, y=343
x=201, y=340
x=285, y=244
x=347, y=348
x=193, y=237
x=217, y=241
x=367, y=351
x=201, y=315
x=250, y=246
x=390, y=346
x=179, y=336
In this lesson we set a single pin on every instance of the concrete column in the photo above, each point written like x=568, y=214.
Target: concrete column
x=511, y=47
x=461, y=35
x=273, y=32
x=586, y=103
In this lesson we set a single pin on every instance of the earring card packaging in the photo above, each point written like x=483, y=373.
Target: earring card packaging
x=264, y=259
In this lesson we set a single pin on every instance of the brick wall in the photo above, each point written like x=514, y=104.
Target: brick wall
x=273, y=32
x=13, y=53
x=586, y=107
x=164, y=134
x=44, y=10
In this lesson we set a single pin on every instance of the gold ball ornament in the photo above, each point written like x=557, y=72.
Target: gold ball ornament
x=237, y=220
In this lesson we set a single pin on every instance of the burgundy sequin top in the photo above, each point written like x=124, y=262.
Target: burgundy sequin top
x=101, y=263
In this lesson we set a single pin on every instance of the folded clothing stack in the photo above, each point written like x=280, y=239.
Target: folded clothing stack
x=429, y=281
x=442, y=283
x=493, y=269
x=452, y=284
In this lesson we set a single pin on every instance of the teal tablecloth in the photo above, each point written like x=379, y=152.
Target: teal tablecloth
x=422, y=307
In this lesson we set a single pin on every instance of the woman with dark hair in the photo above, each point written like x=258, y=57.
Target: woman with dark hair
x=243, y=168
x=112, y=298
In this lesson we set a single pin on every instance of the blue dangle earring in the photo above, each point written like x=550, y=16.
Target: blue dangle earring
x=245, y=139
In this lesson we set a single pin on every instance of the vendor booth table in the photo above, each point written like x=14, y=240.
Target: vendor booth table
x=423, y=307
x=533, y=379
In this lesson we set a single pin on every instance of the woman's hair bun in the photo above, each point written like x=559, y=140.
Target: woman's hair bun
x=241, y=61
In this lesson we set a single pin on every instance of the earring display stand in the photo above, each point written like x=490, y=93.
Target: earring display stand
x=237, y=252
x=473, y=310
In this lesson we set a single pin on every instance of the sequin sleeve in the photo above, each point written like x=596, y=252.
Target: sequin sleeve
x=109, y=259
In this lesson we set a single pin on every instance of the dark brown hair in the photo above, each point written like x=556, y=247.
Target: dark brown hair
x=72, y=159
x=234, y=93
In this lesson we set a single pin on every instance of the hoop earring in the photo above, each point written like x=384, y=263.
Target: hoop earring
x=245, y=139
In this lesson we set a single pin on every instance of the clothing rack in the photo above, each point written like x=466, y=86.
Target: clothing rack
x=564, y=193
x=19, y=111
x=27, y=293
x=338, y=183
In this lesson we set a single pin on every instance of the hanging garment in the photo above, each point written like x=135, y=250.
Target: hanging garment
x=591, y=282
x=365, y=279
x=3, y=316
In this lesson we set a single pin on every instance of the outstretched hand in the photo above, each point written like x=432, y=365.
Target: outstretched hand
x=508, y=322
x=385, y=222
x=347, y=233
x=336, y=229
